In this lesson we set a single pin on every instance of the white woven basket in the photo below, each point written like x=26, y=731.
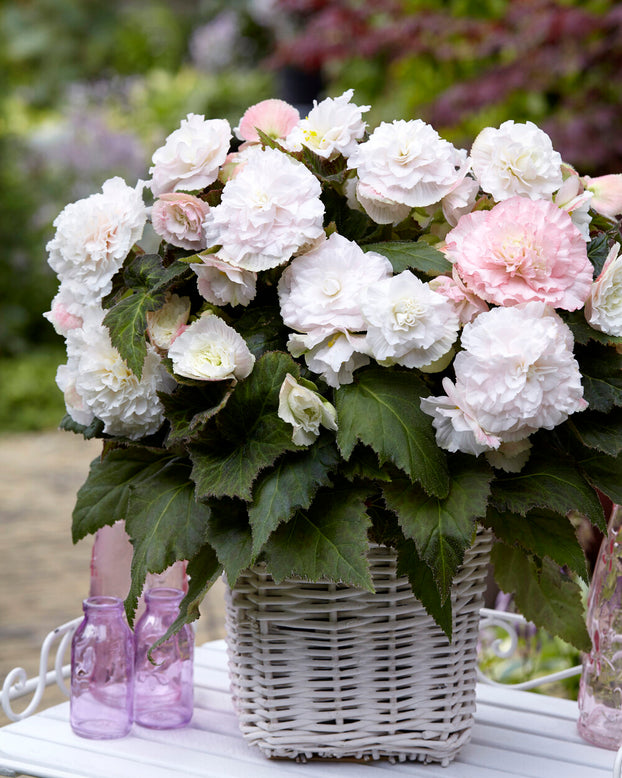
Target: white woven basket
x=326, y=670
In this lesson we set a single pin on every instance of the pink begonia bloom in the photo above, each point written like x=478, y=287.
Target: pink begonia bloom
x=66, y=312
x=519, y=251
x=607, y=193
x=268, y=212
x=169, y=321
x=511, y=456
x=93, y=237
x=97, y=383
x=456, y=424
x=274, y=118
x=379, y=208
x=407, y=162
x=320, y=290
x=333, y=357
x=460, y=200
x=211, y=350
x=516, y=159
x=191, y=155
x=178, y=218
x=305, y=410
x=466, y=304
x=332, y=127
x=407, y=323
x=221, y=283
x=519, y=374
x=603, y=307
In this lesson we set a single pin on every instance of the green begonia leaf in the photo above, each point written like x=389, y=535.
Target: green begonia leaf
x=604, y=473
x=290, y=485
x=543, y=594
x=381, y=409
x=328, y=542
x=165, y=523
x=415, y=255
x=229, y=534
x=442, y=529
x=541, y=533
x=599, y=431
x=421, y=580
x=601, y=369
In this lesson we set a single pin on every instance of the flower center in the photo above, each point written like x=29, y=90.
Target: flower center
x=407, y=312
x=331, y=286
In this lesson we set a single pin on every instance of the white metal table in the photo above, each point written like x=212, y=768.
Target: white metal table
x=516, y=733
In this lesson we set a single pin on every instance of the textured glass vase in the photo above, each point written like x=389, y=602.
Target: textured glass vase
x=102, y=671
x=163, y=694
x=600, y=691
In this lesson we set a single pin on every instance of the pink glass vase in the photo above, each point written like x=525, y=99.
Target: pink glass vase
x=600, y=690
x=163, y=693
x=102, y=671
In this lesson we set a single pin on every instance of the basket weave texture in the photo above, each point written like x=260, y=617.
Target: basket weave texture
x=327, y=670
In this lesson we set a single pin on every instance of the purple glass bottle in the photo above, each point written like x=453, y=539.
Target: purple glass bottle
x=102, y=671
x=163, y=692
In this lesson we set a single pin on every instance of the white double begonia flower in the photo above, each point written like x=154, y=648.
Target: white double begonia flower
x=268, y=212
x=305, y=410
x=320, y=290
x=221, y=283
x=211, y=350
x=603, y=307
x=93, y=237
x=191, y=155
x=97, y=383
x=333, y=127
x=519, y=374
x=407, y=323
x=408, y=163
x=516, y=160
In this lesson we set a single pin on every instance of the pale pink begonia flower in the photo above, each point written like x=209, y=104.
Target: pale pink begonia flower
x=510, y=457
x=332, y=127
x=466, y=304
x=211, y=350
x=606, y=193
x=456, y=424
x=221, y=283
x=93, y=237
x=519, y=374
x=66, y=312
x=191, y=156
x=169, y=321
x=522, y=250
x=407, y=162
x=319, y=291
x=178, y=218
x=407, y=323
x=516, y=160
x=603, y=307
x=268, y=212
x=333, y=357
x=305, y=410
x=274, y=118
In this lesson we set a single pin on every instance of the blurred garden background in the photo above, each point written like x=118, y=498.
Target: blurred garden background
x=89, y=90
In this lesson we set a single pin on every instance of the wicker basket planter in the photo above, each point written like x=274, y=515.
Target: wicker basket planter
x=325, y=670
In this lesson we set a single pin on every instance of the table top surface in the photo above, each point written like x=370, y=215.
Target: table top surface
x=515, y=734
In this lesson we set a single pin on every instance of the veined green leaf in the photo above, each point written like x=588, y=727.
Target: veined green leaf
x=229, y=534
x=415, y=255
x=381, y=409
x=542, y=594
x=328, y=542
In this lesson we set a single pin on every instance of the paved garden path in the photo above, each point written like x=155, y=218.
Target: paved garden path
x=43, y=576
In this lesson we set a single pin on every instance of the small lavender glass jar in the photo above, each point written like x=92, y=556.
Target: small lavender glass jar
x=102, y=671
x=163, y=692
